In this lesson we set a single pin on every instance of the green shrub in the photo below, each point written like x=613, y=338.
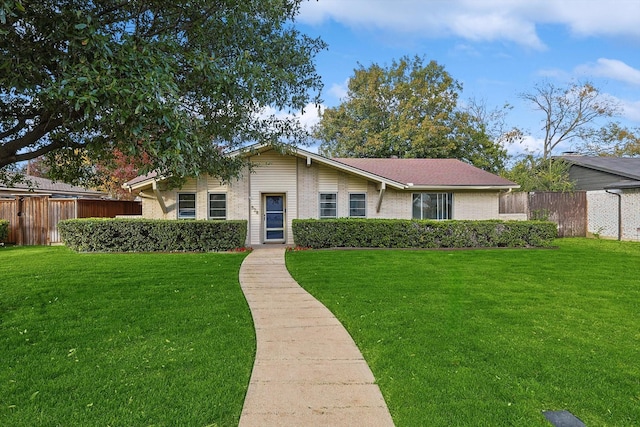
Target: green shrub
x=145, y=235
x=397, y=233
x=4, y=230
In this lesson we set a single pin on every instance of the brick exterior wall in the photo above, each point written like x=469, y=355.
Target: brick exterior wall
x=602, y=214
x=302, y=184
x=472, y=205
x=308, y=197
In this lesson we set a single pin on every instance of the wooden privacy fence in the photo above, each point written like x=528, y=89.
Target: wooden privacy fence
x=33, y=220
x=568, y=210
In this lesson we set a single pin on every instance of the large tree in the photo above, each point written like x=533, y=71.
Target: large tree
x=408, y=109
x=535, y=173
x=173, y=83
x=612, y=140
x=568, y=112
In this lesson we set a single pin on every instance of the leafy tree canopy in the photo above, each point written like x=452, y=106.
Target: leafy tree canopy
x=612, y=140
x=172, y=83
x=535, y=173
x=409, y=110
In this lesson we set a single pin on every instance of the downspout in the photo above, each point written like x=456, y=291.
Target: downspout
x=617, y=192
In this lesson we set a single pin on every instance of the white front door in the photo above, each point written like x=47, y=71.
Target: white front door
x=274, y=218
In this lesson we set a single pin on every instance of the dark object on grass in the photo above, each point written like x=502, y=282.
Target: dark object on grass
x=563, y=419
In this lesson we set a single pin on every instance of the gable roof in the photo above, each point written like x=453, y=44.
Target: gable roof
x=430, y=173
x=402, y=174
x=140, y=179
x=627, y=167
x=44, y=186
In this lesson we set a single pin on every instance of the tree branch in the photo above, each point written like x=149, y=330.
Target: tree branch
x=11, y=148
x=30, y=155
x=22, y=122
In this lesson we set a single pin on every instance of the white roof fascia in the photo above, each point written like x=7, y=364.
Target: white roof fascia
x=311, y=157
x=346, y=168
x=460, y=187
x=149, y=182
x=257, y=148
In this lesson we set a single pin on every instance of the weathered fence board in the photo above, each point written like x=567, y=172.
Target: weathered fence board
x=33, y=220
x=88, y=208
x=8, y=211
x=514, y=203
x=568, y=210
x=60, y=209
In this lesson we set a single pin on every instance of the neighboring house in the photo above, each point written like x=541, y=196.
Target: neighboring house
x=34, y=210
x=613, y=194
x=46, y=187
x=595, y=173
x=302, y=184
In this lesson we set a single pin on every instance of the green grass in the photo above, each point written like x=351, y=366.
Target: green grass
x=122, y=339
x=491, y=337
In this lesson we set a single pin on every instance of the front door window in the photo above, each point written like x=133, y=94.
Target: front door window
x=274, y=218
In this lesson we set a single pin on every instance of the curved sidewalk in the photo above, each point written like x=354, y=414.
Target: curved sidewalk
x=308, y=371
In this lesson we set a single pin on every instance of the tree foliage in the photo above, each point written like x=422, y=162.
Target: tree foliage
x=568, y=112
x=408, y=110
x=179, y=81
x=535, y=173
x=612, y=140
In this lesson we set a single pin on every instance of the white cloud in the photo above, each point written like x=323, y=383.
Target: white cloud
x=488, y=20
x=339, y=90
x=590, y=18
x=631, y=110
x=528, y=144
x=309, y=117
x=531, y=144
x=612, y=69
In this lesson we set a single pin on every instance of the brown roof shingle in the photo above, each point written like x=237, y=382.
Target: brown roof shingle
x=428, y=172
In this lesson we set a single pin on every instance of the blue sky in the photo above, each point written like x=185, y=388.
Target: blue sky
x=496, y=48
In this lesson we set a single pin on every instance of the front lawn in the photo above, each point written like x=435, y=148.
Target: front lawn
x=491, y=337
x=122, y=339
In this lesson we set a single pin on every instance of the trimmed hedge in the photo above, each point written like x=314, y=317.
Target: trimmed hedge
x=397, y=233
x=145, y=235
x=4, y=230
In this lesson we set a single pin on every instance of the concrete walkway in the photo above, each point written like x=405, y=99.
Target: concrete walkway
x=308, y=371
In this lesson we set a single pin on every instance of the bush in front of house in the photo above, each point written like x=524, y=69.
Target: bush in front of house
x=397, y=233
x=146, y=235
x=4, y=230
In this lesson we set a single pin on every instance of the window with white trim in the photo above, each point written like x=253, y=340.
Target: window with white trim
x=328, y=205
x=217, y=206
x=432, y=205
x=186, y=205
x=358, y=205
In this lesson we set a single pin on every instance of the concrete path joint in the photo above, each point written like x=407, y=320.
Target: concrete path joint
x=308, y=370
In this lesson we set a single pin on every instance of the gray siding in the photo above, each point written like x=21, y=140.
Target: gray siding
x=589, y=179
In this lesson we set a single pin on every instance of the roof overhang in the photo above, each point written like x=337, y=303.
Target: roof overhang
x=313, y=157
x=50, y=193
x=622, y=185
x=461, y=187
x=310, y=157
x=581, y=162
x=144, y=183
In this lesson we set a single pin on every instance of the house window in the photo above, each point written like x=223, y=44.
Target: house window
x=358, y=205
x=432, y=205
x=328, y=205
x=217, y=206
x=186, y=205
